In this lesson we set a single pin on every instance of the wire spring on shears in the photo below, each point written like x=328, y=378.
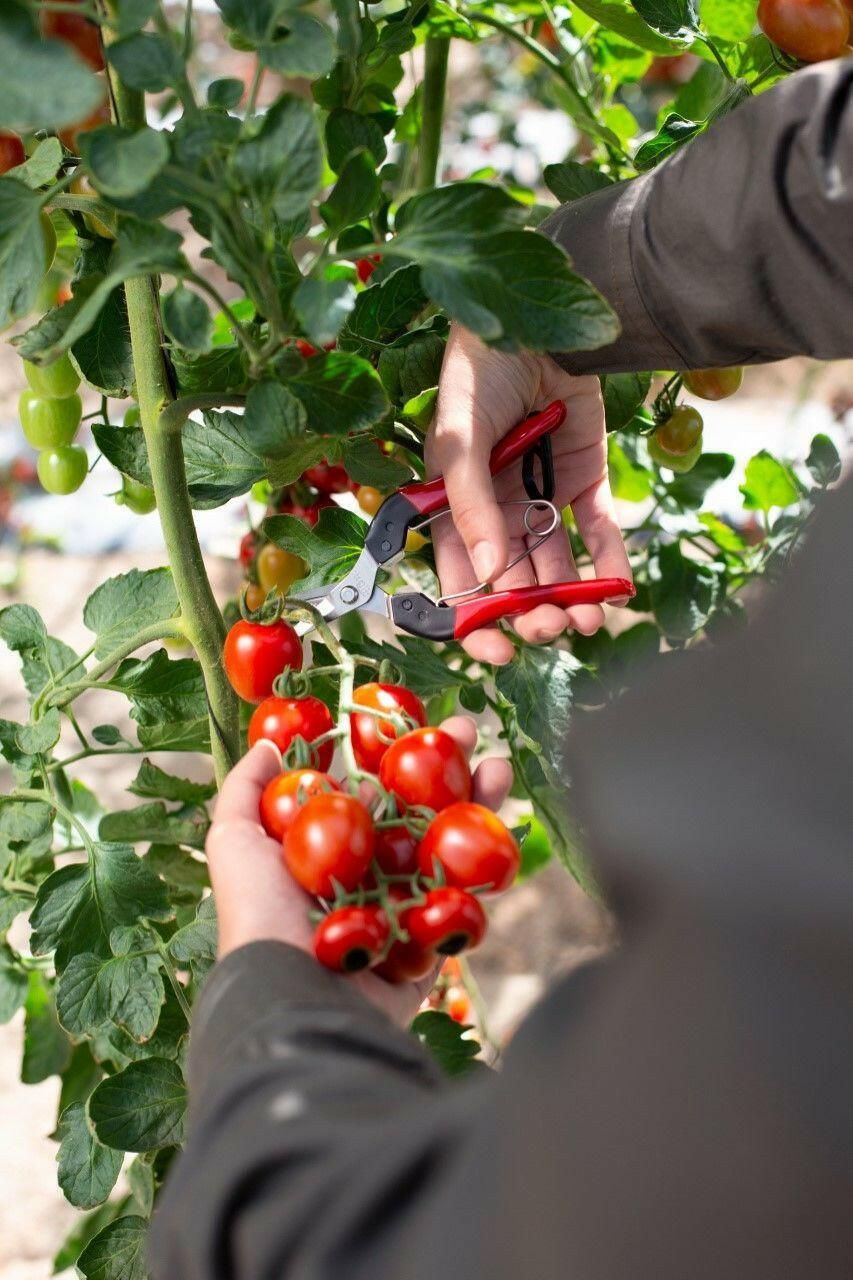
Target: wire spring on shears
x=540, y=536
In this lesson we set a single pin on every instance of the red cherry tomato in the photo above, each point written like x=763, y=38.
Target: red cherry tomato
x=811, y=30
x=351, y=938
x=256, y=653
x=12, y=151
x=329, y=842
x=371, y=737
x=248, y=548
x=426, y=767
x=449, y=921
x=284, y=796
x=284, y=719
x=405, y=962
x=306, y=348
x=472, y=847
x=328, y=478
x=396, y=851
x=84, y=35
x=365, y=267
x=289, y=506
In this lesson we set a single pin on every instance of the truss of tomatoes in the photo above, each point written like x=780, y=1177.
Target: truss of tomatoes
x=398, y=875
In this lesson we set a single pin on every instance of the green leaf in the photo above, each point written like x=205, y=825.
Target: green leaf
x=127, y=990
x=225, y=93
x=341, y=393
x=571, y=180
x=535, y=846
x=22, y=250
x=629, y=481
x=46, y=1046
x=620, y=16
x=673, y=133
x=322, y=306
x=823, y=461
x=355, y=194
x=728, y=19
x=539, y=684
x=274, y=419
x=303, y=46
x=87, y=1171
x=147, y=62
x=294, y=457
x=153, y=822
x=689, y=490
x=384, y=309
x=423, y=666
x=117, y=1252
x=366, y=464
x=330, y=549
x=42, y=166
x=411, y=365
x=768, y=483
x=144, y=249
x=280, y=161
x=254, y=19
x=45, y=84
x=219, y=462
x=123, y=161
x=669, y=17
x=347, y=131
x=195, y=944
x=447, y=1042
x=624, y=394
x=153, y=782
x=125, y=448
x=42, y=736
x=103, y=354
x=142, y=1108
x=14, y=984
x=685, y=594
x=132, y=15
x=43, y=657
x=187, y=320
x=78, y=905
x=178, y=868
x=125, y=605
x=222, y=369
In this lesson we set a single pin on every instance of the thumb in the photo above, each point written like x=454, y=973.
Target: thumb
x=459, y=451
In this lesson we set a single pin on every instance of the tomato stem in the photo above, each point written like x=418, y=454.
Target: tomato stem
x=437, y=52
x=203, y=623
x=171, y=630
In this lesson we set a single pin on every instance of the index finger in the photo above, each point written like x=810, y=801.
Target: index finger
x=240, y=796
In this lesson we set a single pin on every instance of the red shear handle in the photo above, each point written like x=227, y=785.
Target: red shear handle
x=432, y=496
x=481, y=610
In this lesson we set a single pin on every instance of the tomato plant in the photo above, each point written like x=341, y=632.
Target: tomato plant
x=292, y=348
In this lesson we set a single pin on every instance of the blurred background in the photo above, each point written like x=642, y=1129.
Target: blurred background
x=54, y=551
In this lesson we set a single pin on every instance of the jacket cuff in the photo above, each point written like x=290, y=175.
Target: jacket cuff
x=269, y=993
x=597, y=232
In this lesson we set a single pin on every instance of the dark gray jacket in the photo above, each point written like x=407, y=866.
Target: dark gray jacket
x=684, y=1112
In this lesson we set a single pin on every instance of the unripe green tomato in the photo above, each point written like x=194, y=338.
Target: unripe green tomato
x=49, y=237
x=49, y=424
x=55, y=380
x=714, y=384
x=133, y=417
x=62, y=470
x=680, y=463
x=137, y=497
x=681, y=431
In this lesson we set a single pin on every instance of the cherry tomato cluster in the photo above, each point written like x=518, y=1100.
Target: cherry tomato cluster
x=50, y=413
x=810, y=30
x=401, y=890
x=677, y=440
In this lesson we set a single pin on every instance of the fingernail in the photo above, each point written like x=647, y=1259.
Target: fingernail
x=483, y=559
x=268, y=742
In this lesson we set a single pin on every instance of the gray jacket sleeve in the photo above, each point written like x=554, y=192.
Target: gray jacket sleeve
x=737, y=250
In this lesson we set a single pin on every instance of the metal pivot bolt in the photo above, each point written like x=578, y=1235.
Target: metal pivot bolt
x=349, y=595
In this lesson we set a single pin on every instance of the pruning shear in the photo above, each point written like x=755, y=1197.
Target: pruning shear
x=416, y=505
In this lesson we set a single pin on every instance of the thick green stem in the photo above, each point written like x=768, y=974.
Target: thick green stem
x=201, y=619
x=437, y=51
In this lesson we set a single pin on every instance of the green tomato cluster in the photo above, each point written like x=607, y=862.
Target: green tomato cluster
x=50, y=413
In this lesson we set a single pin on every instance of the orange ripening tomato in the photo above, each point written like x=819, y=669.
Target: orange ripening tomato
x=12, y=151
x=79, y=32
x=70, y=135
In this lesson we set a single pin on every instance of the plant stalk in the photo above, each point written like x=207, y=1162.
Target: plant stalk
x=201, y=619
x=437, y=52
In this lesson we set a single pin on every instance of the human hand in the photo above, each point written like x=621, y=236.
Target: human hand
x=483, y=394
x=256, y=897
